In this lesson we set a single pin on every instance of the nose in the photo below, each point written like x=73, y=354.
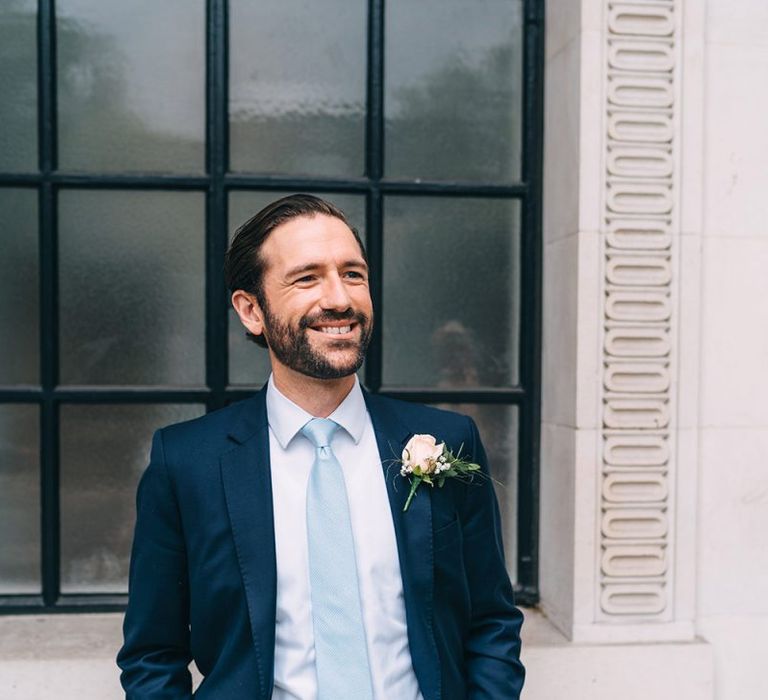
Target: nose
x=335, y=294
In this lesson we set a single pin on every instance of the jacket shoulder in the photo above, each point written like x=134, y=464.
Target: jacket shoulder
x=421, y=418
x=205, y=434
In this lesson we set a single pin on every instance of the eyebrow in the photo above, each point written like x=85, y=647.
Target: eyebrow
x=312, y=267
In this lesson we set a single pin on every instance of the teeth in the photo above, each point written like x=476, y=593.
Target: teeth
x=335, y=330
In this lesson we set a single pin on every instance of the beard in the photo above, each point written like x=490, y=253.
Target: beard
x=293, y=348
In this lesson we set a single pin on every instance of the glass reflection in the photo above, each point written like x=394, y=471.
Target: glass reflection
x=104, y=451
x=498, y=426
x=18, y=85
x=132, y=280
x=248, y=363
x=297, y=94
x=131, y=85
x=453, y=89
x=451, y=315
x=19, y=293
x=19, y=499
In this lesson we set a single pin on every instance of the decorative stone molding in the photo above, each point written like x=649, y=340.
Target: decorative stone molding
x=639, y=223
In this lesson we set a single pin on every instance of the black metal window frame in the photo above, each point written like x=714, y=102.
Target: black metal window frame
x=216, y=184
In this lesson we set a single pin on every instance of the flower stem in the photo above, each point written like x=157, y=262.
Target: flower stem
x=414, y=485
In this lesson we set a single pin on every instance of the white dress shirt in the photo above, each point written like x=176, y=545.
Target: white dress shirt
x=378, y=567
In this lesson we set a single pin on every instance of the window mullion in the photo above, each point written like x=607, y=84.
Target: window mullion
x=374, y=168
x=217, y=354
x=49, y=427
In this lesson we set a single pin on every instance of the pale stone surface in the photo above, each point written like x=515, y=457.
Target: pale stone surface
x=733, y=536
x=589, y=368
x=63, y=637
x=737, y=140
x=735, y=331
x=739, y=644
x=585, y=533
x=570, y=322
x=568, y=539
x=71, y=657
x=687, y=362
x=742, y=22
x=556, y=534
x=686, y=498
x=72, y=679
x=561, y=670
x=732, y=549
x=592, y=121
x=692, y=133
x=674, y=671
x=563, y=25
x=561, y=145
x=62, y=656
x=559, y=340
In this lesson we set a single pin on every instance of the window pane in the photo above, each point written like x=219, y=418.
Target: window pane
x=453, y=89
x=18, y=85
x=248, y=363
x=132, y=279
x=297, y=87
x=131, y=85
x=451, y=316
x=104, y=450
x=19, y=499
x=498, y=431
x=19, y=295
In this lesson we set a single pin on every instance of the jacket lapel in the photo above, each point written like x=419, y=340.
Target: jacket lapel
x=413, y=530
x=245, y=473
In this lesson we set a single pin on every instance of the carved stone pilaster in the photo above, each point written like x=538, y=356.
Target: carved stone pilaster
x=638, y=463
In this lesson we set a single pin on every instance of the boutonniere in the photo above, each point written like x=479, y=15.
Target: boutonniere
x=425, y=460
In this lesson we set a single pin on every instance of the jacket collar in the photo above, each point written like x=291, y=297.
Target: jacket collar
x=251, y=418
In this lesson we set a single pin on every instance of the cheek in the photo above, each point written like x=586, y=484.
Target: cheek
x=362, y=300
x=297, y=308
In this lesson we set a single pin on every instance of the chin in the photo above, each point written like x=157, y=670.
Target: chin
x=341, y=349
x=344, y=365
x=344, y=369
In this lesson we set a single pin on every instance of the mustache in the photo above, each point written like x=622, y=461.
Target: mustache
x=328, y=316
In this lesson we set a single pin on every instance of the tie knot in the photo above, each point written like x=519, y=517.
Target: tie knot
x=319, y=431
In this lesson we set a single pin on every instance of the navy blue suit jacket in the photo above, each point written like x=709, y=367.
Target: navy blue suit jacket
x=203, y=572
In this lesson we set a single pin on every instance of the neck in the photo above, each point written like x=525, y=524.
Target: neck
x=320, y=397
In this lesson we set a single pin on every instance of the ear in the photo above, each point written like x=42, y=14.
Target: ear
x=249, y=311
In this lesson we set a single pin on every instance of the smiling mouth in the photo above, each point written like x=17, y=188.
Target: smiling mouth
x=334, y=329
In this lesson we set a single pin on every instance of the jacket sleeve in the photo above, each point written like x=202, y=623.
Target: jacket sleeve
x=155, y=655
x=492, y=648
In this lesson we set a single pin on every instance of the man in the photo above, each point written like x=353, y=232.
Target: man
x=272, y=546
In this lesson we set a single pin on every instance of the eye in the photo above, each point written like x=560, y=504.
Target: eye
x=354, y=274
x=306, y=279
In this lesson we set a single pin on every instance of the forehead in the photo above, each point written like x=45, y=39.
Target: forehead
x=320, y=238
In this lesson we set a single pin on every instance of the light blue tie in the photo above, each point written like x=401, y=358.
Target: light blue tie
x=341, y=655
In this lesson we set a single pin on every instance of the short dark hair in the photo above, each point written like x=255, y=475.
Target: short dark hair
x=244, y=266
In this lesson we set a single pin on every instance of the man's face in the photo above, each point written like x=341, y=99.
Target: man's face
x=318, y=314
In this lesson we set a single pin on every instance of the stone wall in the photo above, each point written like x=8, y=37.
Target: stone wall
x=655, y=352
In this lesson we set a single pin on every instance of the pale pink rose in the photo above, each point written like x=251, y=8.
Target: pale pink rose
x=422, y=451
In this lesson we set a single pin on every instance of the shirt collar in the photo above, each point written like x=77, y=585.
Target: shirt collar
x=287, y=418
